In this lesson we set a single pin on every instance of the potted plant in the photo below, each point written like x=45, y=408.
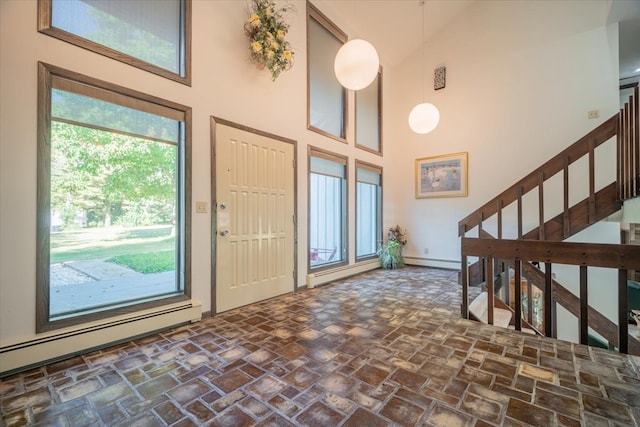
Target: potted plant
x=390, y=254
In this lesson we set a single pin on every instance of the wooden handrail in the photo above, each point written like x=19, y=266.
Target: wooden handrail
x=560, y=162
x=578, y=306
x=549, y=234
x=620, y=257
x=579, y=216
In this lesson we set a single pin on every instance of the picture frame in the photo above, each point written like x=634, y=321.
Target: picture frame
x=442, y=176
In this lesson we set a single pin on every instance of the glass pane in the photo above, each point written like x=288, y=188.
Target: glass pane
x=326, y=95
x=113, y=218
x=146, y=30
x=368, y=216
x=326, y=201
x=327, y=167
x=365, y=175
x=67, y=106
x=368, y=116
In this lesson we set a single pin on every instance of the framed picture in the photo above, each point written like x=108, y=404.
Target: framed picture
x=442, y=176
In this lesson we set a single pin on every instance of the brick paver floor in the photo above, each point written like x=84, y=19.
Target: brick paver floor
x=384, y=348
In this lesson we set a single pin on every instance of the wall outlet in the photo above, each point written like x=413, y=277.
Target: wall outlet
x=426, y=251
x=593, y=114
x=202, y=207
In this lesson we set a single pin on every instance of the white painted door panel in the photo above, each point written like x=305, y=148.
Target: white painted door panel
x=255, y=217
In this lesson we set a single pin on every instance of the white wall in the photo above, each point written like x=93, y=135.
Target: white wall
x=225, y=85
x=521, y=77
x=602, y=283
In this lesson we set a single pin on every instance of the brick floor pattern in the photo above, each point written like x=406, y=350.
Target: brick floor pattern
x=385, y=348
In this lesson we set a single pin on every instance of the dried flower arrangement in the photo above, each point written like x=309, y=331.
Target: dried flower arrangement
x=266, y=29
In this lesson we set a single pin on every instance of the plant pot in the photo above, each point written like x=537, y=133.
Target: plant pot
x=391, y=256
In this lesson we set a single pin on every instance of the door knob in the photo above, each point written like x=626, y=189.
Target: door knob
x=224, y=232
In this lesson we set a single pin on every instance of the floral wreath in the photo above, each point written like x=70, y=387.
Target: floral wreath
x=266, y=29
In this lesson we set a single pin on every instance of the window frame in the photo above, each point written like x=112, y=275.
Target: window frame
x=45, y=26
x=341, y=36
x=342, y=160
x=378, y=82
x=46, y=73
x=359, y=164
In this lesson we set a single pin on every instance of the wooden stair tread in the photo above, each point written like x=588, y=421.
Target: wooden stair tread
x=479, y=308
x=525, y=330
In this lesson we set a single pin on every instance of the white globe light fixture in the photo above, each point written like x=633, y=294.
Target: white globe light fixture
x=356, y=64
x=424, y=118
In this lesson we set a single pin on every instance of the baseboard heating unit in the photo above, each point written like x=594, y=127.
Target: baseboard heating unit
x=329, y=275
x=59, y=344
x=432, y=262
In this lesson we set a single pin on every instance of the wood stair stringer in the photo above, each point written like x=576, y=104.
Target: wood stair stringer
x=597, y=321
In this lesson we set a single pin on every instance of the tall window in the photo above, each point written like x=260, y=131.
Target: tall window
x=327, y=99
x=369, y=116
x=368, y=209
x=327, y=208
x=151, y=35
x=113, y=200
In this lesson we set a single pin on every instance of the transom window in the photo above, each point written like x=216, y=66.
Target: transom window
x=369, y=116
x=113, y=200
x=368, y=209
x=327, y=208
x=151, y=35
x=327, y=99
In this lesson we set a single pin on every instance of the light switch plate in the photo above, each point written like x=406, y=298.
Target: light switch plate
x=202, y=207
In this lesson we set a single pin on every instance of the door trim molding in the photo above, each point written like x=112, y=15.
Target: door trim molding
x=214, y=121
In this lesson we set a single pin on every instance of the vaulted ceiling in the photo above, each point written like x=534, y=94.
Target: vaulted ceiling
x=395, y=27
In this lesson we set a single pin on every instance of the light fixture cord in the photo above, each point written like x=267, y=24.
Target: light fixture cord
x=424, y=61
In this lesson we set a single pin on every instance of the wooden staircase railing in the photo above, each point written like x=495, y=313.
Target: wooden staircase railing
x=606, y=204
x=585, y=146
x=629, y=148
x=626, y=126
x=597, y=206
x=518, y=253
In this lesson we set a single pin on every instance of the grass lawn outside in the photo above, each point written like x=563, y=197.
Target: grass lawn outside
x=109, y=242
x=148, y=262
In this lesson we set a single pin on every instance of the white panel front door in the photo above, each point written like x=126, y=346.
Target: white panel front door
x=255, y=217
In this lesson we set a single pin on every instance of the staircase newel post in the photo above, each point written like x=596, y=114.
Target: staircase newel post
x=623, y=309
x=548, y=300
x=517, y=281
x=490, y=290
x=464, y=307
x=584, y=306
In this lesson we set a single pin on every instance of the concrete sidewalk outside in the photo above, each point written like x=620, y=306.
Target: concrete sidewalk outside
x=112, y=283
x=98, y=269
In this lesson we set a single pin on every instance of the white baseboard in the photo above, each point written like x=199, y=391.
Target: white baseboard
x=344, y=271
x=56, y=345
x=432, y=262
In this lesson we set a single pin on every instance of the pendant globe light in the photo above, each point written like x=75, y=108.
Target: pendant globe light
x=424, y=117
x=356, y=64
